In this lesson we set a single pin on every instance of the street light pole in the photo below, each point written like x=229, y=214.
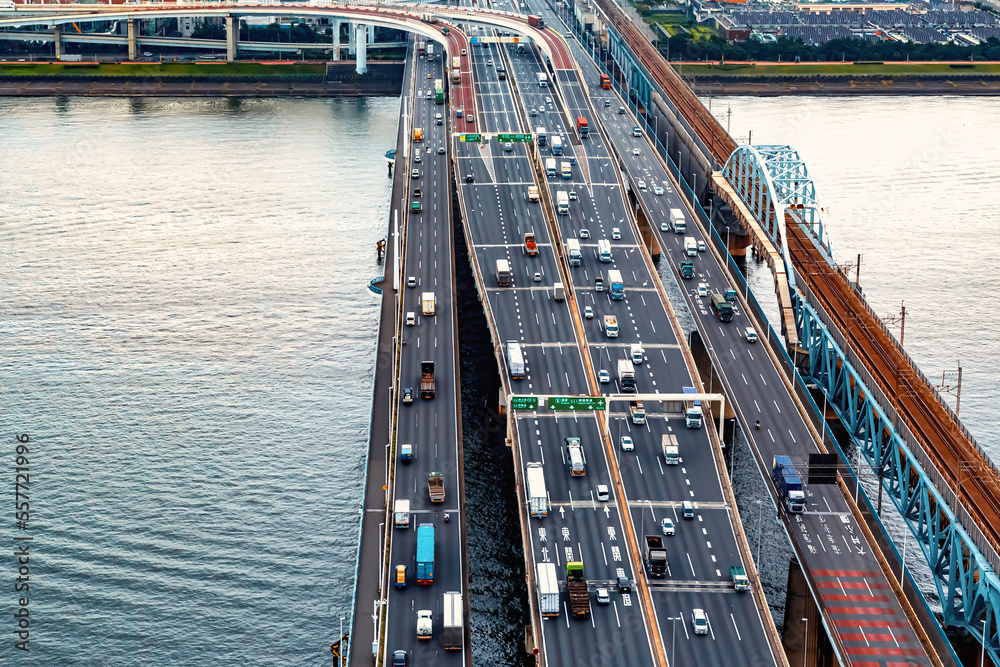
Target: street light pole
x=673, y=637
x=760, y=531
x=341, y=640
x=805, y=643
x=982, y=655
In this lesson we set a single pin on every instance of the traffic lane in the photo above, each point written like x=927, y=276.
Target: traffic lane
x=636, y=322
x=526, y=272
x=701, y=549
x=733, y=637
x=536, y=318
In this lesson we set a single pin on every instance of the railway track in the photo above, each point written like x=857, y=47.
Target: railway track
x=963, y=467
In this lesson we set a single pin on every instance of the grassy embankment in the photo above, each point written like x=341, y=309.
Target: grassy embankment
x=750, y=70
x=161, y=70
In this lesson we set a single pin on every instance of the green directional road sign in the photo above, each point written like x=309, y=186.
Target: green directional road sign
x=576, y=403
x=470, y=137
x=524, y=402
x=523, y=138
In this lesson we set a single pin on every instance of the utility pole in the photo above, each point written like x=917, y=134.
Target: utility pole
x=900, y=319
x=956, y=389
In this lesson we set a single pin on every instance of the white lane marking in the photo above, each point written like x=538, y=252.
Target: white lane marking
x=736, y=627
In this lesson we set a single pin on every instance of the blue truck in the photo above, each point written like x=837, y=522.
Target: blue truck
x=786, y=479
x=425, y=554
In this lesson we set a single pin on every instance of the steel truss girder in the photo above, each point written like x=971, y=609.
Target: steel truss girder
x=967, y=586
x=639, y=84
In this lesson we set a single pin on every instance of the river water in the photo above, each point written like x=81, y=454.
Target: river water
x=186, y=335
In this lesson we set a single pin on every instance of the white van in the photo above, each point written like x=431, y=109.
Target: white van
x=411, y=318
x=690, y=246
x=637, y=353
x=604, y=250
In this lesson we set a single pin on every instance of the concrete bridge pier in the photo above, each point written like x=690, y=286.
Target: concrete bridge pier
x=803, y=638
x=351, y=41
x=361, y=47
x=650, y=237
x=232, y=35
x=336, y=40
x=133, y=50
x=57, y=41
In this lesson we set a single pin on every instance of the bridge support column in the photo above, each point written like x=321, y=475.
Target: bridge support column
x=57, y=41
x=336, y=40
x=350, y=38
x=803, y=638
x=232, y=35
x=361, y=41
x=133, y=50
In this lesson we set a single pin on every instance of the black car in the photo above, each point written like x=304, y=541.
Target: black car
x=469, y=178
x=624, y=585
x=399, y=659
x=407, y=395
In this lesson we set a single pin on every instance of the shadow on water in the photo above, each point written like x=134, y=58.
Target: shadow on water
x=497, y=602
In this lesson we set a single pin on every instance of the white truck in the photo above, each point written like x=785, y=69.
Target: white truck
x=604, y=250
x=573, y=254
x=547, y=582
x=515, y=359
x=427, y=303
x=538, y=498
x=558, y=291
x=626, y=375
x=611, y=326
x=671, y=452
x=401, y=510
x=636, y=353
x=425, y=626
x=678, y=220
x=562, y=199
x=690, y=246
x=550, y=166
x=452, y=631
x=543, y=80
x=566, y=170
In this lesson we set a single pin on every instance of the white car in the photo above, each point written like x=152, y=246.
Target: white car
x=702, y=289
x=604, y=376
x=534, y=111
x=584, y=233
x=415, y=173
x=702, y=247
x=616, y=234
x=489, y=63
x=658, y=191
x=627, y=444
x=603, y=493
x=664, y=226
x=667, y=526
x=602, y=596
x=572, y=195
x=642, y=185
x=588, y=313
x=417, y=158
x=635, y=151
x=700, y=621
x=411, y=281
x=411, y=318
x=750, y=334
x=538, y=277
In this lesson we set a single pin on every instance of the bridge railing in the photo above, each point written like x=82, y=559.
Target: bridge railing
x=929, y=467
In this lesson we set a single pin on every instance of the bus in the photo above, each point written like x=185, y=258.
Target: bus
x=438, y=91
x=456, y=70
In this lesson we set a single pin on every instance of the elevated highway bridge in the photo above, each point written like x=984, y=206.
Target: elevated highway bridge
x=906, y=432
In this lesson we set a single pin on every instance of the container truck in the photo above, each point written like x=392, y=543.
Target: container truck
x=547, y=582
x=671, y=451
x=540, y=136
x=543, y=80
x=427, y=303
x=438, y=92
x=456, y=70
x=562, y=200
x=605, y=82
x=426, y=379
x=452, y=631
x=723, y=309
x=435, y=487
x=503, y=273
x=515, y=359
x=739, y=578
x=565, y=170
x=604, y=250
x=611, y=326
x=687, y=270
x=617, y=284
x=425, y=554
x=538, y=499
x=429, y=50
x=692, y=409
x=532, y=193
x=626, y=375
x=550, y=165
x=401, y=509
x=690, y=246
x=530, y=247
x=678, y=221
x=536, y=21
x=573, y=254
x=581, y=127
x=557, y=146
x=656, y=556
x=574, y=457
x=558, y=291
x=787, y=479
x=638, y=412
x=576, y=588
